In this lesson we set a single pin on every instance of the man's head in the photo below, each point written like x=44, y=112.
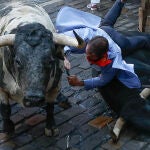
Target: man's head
x=96, y=48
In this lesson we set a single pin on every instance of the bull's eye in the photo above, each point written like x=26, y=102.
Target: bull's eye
x=48, y=60
x=18, y=64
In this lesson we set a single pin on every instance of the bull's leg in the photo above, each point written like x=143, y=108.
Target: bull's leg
x=5, y=110
x=50, y=129
x=145, y=93
x=117, y=129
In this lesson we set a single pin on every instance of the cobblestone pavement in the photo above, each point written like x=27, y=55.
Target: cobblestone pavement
x=86, y=105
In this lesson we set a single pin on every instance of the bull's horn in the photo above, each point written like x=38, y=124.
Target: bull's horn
x=7, y=39
x=63, y=39
x=117, y=129
x=58, y=38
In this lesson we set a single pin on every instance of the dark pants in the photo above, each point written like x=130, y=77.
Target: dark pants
x=128, y=44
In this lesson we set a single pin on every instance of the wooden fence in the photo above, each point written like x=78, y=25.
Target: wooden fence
x=144, y=16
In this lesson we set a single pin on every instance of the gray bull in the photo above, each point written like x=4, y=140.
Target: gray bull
x=31, y=62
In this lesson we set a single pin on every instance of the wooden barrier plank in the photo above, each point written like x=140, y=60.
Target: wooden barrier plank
x=144, y=14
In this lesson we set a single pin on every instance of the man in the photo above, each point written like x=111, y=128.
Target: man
x=105, y=48
x=110, y=60
x=117, y=43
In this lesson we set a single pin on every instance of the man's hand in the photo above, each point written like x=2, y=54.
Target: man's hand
x=67, y=63
x=74, y=81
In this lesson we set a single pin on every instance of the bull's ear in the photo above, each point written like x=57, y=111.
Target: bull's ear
x=60, y=52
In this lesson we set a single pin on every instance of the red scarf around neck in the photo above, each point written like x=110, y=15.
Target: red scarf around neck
x=101, y=62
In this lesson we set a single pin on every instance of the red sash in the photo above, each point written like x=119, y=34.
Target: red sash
x=101, y=62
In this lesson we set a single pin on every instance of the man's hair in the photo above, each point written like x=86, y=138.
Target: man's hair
x=98, y=46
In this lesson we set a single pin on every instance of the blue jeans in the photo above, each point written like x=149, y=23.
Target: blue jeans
x=128, y=44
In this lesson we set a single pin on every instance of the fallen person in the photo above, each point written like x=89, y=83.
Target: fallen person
x=118, y=82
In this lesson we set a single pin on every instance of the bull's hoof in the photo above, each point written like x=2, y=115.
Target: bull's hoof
x=63, y=101
x=64, y=104
x=114, y=137
x=52, y=132
x=8, y=127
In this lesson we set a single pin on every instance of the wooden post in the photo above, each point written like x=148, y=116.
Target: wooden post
x=143, y=4
x=144, y=16
x=141, y=19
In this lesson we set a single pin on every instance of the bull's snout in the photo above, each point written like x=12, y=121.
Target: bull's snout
x=34, y=99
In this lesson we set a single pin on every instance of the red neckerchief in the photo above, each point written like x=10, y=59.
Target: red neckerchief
x=101, y=62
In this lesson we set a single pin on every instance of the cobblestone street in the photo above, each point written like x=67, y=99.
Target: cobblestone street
x=86, y=105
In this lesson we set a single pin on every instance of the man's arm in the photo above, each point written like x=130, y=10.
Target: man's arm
x=105, y=77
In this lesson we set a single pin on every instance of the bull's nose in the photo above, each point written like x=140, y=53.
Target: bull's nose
x=34, y=98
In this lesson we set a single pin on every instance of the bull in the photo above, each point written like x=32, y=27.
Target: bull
x=31, y=62
x=131, y=105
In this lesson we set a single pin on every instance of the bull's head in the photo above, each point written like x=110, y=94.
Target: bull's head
x=35, y=51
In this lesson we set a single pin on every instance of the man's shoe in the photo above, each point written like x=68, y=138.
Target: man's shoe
x=92, y=6
x=123, y=1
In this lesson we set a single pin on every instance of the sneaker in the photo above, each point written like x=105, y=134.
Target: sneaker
x=92, y=6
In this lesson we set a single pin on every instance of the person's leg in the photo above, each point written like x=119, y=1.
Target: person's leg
x=134, y=43
x=111, y=17
x=138, y=42
x=128, y=44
